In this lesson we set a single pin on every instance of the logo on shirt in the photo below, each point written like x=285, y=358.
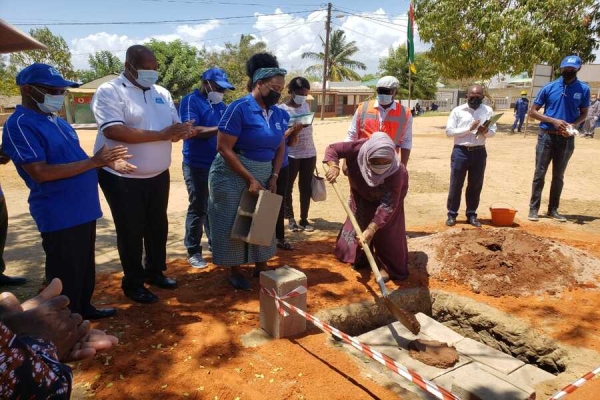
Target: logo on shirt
x=577, y=96
x=159, y=100
x=278, y=125
x=53, y=71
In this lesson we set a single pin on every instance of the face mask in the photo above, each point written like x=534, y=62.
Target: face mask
x=271, y=99
x=146, y=77
x=524, y=96
x=474, y=102
x=380, y=169
x=213, y=96
x=52, y=103
x=384, y=99
x=299, y=99
x=568, y=75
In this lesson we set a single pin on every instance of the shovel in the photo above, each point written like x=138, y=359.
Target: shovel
x=405, y=317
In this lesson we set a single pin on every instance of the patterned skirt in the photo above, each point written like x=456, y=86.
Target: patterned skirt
x=225, y=191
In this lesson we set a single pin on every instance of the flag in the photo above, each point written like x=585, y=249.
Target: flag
x=410, y=40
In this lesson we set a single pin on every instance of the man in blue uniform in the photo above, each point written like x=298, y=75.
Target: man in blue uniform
x=565, y=101
x=521, y=108
x=206, y=107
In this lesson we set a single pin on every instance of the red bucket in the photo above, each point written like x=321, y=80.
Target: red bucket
x=502, y=216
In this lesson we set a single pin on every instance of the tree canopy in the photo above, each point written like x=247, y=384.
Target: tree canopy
x=423, y=82
x=482, y=38
x=102, y=63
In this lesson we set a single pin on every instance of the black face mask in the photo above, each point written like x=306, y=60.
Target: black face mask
x=474, y=102
x=569, y=75
x=271, y=99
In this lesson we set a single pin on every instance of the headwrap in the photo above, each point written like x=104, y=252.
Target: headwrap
x=379, y=145
x=264, y=73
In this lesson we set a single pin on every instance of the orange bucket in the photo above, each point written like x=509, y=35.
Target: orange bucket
x=502, y=216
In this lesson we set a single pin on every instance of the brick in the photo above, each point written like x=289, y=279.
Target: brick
x=529, y=375
x=486, y=355
x=256, y=218
x=438, y=331
x=283, y=280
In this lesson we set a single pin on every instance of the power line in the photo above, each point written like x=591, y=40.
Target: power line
x=384, y=22
x=234, y=3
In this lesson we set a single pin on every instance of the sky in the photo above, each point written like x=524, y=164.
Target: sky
x=289, y=28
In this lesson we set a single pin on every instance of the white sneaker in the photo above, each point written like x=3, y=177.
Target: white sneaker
x=197, y=261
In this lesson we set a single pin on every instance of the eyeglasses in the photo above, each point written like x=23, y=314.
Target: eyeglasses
x=50, y=90
x=384, y=91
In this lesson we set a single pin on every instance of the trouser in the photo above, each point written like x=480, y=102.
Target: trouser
x=518, y=119
x=70, y=256
x=3, y=231
x=590, y=125
x=282, y=188
x=558, y=150
x=303, y=169
x=463, y=161
x=196, y=182
x=139, y=210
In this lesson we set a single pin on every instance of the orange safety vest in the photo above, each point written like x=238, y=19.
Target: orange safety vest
x=394, y=124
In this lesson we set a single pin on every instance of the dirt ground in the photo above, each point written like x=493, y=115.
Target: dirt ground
x=189, y=344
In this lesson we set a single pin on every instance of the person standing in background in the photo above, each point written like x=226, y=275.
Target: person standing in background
x=521, y=109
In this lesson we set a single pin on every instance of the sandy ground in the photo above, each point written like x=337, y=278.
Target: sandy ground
x=199, y=325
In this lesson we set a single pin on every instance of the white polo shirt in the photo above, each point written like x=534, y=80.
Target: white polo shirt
x=119, y=102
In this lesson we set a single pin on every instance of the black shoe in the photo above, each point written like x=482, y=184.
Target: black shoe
x=161, y=281
x=12, y=280
x=451, y=221
x=533, y=215
x=99, y=313
x=240, y=282
x=141, y=295
x=473, y=221
x=555, y=215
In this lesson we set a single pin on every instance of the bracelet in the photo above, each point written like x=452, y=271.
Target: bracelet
x=334, y=166
x=275, y=175
x=372, y=226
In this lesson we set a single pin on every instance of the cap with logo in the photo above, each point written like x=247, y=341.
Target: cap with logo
x=43, y=74
x=571, y=61
x=389, y=82
x=218, y=76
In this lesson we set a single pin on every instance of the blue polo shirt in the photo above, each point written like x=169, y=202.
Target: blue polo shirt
x=563, y=101
x=198, y=152
x=30, y=137
x=259, y=133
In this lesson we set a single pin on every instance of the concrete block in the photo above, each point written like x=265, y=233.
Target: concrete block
x=474, y=382
x=438, y=331
x=486, y=355
x=528, y=375
x=282, y=280
x=256, y=218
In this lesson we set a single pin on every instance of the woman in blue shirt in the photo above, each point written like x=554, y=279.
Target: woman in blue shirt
x=251, y=148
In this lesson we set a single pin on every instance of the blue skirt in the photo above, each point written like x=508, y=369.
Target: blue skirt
x=225, y=191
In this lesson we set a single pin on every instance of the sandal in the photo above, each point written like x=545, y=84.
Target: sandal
x=284, y=244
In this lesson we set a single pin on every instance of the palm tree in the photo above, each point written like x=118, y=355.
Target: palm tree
x=339, y=66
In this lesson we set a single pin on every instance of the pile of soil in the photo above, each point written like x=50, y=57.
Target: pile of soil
x=507, y=262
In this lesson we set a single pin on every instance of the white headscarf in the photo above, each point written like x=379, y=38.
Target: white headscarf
x=379, y=145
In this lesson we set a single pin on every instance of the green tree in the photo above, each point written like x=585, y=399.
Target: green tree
x=180, y=66
x=481, y=38
x=340, y=66
x=102, y=63
x=8, y=87
x=423, y=82
x=57, y=55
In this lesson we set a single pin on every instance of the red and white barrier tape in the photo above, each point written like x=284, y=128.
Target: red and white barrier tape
x=575, y=385
x=381, y=358
x=294, y=293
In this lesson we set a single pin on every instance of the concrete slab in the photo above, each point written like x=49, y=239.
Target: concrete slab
x=438, y=331
x=486, y=355
x=528, y=375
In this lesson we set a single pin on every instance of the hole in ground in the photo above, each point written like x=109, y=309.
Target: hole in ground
x=466, y=317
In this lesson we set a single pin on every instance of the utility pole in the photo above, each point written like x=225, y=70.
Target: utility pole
x=325, y=66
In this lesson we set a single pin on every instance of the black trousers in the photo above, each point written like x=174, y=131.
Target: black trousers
x=3, y=231
x=301, y=168
x=139, y=210
x=70, y=256
x=282, y=188
x=470, y=164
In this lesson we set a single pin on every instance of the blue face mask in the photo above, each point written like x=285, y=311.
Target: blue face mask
x=52, y=103
x=384, y=99
x=146, y=77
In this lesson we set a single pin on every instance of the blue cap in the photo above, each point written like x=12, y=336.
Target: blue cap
x=218, y=76
x=43, y=74
x=571, y=61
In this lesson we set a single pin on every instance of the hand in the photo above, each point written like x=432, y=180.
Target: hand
x=255, y=187
x=105, y=155
x=332, y=173
x=560, y=125
x=481, y=131
x=368, y=235
x=178, y=131
x=90, y=344
x=272, y=184
x=122, y=167
x=294, y=130
x=475, y=124
x=345, y=169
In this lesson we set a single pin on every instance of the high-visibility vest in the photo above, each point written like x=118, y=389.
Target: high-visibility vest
x=394, y=124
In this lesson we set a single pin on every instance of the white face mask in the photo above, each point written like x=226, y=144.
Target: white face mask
x=299, y=99
x=146, y=77
x=52, y=102
x=214, y=97
x=380, y=169
x=384, y=99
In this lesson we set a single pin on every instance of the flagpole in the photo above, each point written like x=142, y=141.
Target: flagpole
x=409, y=85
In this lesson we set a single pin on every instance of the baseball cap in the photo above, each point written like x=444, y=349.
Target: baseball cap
x=571, y=61
x=523, y=92
x=389, y=82
x=43, y=74
x=218, y=76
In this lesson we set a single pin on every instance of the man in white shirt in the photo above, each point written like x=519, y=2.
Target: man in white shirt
x=467, y=125
x=131, y=110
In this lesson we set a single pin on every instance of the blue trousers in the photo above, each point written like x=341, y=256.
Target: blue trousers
x=196, y=220
x=462, y=162
x=558, y=150
x=518, y=119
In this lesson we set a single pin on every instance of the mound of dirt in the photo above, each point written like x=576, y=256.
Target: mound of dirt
x=505, y=262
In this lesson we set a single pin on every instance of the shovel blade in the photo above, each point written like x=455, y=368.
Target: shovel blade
x=405, y=317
